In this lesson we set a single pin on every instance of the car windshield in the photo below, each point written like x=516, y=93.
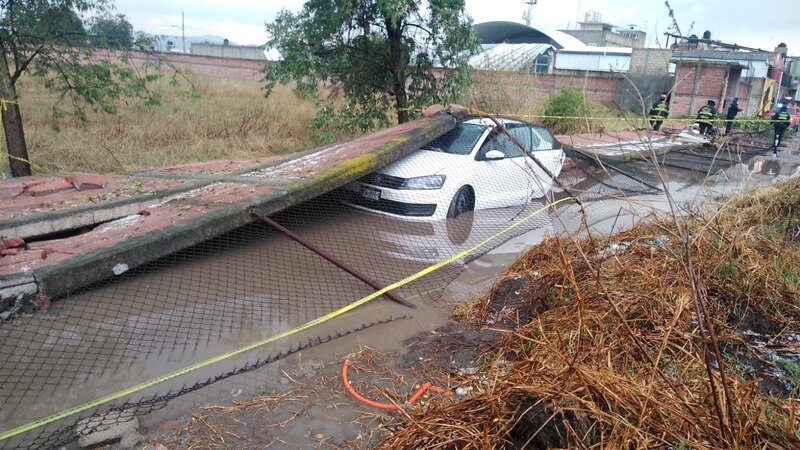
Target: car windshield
x=458, y=141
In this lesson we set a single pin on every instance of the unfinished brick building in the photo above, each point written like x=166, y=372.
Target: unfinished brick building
x=702, y=75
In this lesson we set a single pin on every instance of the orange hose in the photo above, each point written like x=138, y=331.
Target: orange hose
x=388, y=406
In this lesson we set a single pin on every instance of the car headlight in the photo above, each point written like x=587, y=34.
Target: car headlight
x=428, y=182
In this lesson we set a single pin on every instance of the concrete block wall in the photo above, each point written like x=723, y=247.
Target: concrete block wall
x=229, y=51
x=650, y=61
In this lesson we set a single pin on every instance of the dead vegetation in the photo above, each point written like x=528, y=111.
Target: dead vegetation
x=617, y=349
x=218, y=119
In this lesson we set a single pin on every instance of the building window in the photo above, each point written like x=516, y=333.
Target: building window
x=541, y=64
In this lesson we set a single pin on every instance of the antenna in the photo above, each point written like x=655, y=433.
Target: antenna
x=528, y=14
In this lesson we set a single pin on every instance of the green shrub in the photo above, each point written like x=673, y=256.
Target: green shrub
x=568, y=112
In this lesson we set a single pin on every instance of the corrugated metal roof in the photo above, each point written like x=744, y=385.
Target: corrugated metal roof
x=508, y=57
x=563, y=39
x=517, y=33
x=593, y=61
x=589, y=50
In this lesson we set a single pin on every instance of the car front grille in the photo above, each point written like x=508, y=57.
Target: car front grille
x=393, y=207
x=383, y=180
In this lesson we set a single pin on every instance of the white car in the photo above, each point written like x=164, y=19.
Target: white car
x=475, y=166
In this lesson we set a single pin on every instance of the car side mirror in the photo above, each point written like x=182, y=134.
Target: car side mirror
x=494, y=155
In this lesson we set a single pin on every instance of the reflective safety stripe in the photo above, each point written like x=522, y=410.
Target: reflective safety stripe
x=705, y=115
x=659, y=111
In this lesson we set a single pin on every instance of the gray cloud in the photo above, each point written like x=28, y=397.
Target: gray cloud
x=744, y=22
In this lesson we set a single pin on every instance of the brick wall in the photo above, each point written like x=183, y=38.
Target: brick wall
x=234, y=68
x=520, y=88
x=696, y=84
x=603, y=88
x=693, y=91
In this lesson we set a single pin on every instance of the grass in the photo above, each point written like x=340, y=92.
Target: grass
x=227, y=119
x=624, y=365
x=220, y=119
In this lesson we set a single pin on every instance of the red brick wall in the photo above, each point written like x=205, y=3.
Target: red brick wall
x=601, y=88
x=239, y=69
x=709, y=86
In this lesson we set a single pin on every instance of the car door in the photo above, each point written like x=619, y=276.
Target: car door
x=503, y=182
x=548, y=152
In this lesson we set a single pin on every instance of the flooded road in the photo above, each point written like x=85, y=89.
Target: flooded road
x=254, y=283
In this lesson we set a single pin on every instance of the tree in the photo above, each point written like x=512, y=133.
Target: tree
x=378, y=53
x=45, y=39
x=111, y=31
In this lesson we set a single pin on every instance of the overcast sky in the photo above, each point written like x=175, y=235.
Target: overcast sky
x=750, y=23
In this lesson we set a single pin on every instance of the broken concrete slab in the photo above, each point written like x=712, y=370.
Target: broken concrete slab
x=168, y=223
x=625, y=145
x=48, y=187
x=87, y=181
x=11, y=242
x=29, y=216
x=16, y=294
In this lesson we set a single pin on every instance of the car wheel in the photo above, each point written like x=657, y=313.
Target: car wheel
x=462, y=202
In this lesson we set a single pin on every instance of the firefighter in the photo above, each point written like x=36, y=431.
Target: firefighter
x=659, y=112
x=781, y=122
x=733, y=110
x=705, y=115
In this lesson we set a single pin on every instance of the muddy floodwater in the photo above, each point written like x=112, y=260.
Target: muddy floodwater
x=254, y=283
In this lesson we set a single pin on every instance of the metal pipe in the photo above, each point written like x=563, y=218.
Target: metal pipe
x=330, y=258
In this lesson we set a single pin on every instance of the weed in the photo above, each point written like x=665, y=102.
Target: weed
x=569, y=112
x=791, y=369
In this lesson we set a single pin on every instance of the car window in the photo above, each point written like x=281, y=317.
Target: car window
x=544, y=140
x=501, y=142
x=459, y=141
x=523, y=135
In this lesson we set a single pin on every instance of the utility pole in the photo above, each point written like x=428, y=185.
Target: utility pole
x=183, y=32
x=527, y=15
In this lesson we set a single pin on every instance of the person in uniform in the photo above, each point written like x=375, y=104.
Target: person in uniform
x=733, y=110
x=705, y=116
x=659, y=112
x=781, y=122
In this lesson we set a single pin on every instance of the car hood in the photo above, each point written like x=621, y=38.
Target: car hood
x=423, y=162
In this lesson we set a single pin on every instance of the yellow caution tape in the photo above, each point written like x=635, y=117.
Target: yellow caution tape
x=4, y=105
x=764, y=120
x=163, y=378
x=25, y=161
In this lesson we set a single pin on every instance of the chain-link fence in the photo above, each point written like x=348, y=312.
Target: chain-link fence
x=175, y=332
